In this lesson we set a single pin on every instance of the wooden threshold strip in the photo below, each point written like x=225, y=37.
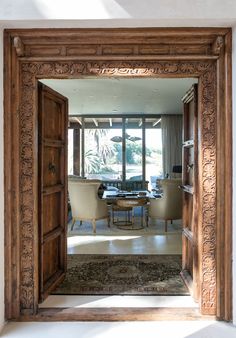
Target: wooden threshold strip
x=116, y=314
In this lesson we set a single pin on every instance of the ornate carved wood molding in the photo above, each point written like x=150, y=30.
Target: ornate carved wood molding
x=149, y=42
x=207, y=201
x=33, y=70
x=161, y=53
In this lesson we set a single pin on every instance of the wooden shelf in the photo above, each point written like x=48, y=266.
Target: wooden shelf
x=188, y=143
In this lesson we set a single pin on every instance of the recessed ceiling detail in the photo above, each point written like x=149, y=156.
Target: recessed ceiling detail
x=122, y=96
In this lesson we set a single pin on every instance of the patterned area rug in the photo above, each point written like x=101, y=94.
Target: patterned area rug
x=123, y=274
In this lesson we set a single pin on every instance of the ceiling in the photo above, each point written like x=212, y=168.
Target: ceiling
x=122, y=96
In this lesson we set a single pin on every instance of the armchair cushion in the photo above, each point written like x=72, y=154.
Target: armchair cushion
x=85, y=203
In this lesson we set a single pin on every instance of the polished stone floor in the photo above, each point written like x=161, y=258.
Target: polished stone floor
x=162, y=329
x=160, y=244
x=103, y=301
x=135, y=244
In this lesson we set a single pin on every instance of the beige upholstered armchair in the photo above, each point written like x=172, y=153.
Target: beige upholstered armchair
x=168, y=207
x=85, y=203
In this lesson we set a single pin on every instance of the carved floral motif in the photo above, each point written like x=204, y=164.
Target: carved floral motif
x=204, y=69
x=208, y=148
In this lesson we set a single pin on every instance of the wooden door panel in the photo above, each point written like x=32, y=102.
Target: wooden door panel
x=52, y=188
x=53, y=118
x=51, y=217
x=190, y=258
x=52, y=174
x=190, y=132
x=189, y=162
x=187, y=211
x=52, y=249
x=190, y=264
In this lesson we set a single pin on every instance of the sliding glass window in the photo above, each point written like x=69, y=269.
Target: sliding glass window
x=133, y=150
x=153, y=158
x=70, y=154
x=103, y=153
x=125, y=150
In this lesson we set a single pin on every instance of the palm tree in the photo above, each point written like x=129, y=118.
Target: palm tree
x=97, y=134
x=103, y=144
x=91, y=162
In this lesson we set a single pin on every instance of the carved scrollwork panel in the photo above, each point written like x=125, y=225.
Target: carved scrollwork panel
x=31, y=71
x=207, y=126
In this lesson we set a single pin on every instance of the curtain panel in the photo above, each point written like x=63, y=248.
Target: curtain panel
x=171, y=126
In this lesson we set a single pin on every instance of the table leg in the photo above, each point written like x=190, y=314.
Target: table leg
x=142, y=216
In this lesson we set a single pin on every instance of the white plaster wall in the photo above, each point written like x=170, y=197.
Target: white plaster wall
x=1, y=191
x=115, y=13
x=117, y=9
x=118, y=13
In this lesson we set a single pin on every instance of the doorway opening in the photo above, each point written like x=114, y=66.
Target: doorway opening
x=147, y=53
x=129, y=138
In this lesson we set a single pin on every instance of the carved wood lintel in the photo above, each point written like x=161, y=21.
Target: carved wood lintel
x=77, y=61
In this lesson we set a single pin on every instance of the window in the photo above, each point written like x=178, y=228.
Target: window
x=133, y=150
x=154, y=166
x=70, y=152
x=120, y=148
x=103, y=155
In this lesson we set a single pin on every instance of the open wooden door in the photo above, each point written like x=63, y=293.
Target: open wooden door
x=190, y=265
x=52, y=116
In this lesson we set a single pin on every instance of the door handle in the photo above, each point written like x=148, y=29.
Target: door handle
x=52, y=167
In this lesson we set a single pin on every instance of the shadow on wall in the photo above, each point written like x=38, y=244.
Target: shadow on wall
x=160, y=11
x=73, y=10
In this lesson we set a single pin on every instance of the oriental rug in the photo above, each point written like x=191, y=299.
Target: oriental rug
x=123, y=275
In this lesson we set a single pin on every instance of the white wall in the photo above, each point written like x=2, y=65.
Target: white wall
x=167, y=10
x=114, y=13
x=119, y=13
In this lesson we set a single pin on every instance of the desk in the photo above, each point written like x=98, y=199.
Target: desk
x=125, y=200
x=126, y=185
x=120, y=194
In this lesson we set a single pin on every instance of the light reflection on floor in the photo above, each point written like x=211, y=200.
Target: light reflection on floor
x=99, y=301
x=160, y=244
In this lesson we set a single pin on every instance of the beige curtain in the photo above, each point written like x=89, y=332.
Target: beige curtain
x=171, y=126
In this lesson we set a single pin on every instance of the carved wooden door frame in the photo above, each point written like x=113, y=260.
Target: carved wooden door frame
x=75, y=53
